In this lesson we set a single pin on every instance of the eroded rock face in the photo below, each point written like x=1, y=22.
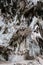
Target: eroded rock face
x=21, y=36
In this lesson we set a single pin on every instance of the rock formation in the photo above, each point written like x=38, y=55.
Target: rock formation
x=21, y=31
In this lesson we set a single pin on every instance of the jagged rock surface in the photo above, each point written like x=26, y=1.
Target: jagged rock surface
x=21, y=32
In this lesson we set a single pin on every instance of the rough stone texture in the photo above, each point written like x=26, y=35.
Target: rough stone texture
x=38, y=61
x=21, y=32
